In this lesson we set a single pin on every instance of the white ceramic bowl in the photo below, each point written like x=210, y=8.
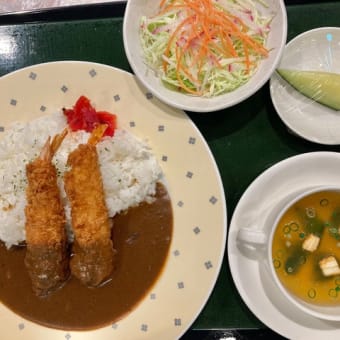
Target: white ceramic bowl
x=275, y=43
x=276, y=186
x=259, y=238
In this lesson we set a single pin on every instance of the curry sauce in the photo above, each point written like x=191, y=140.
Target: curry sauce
x=141, y=236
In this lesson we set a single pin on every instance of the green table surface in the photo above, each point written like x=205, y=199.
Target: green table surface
x=245, y=139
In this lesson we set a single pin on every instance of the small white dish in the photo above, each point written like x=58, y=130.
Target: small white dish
x=314, y=50
x=135, y=9
x=258, y=206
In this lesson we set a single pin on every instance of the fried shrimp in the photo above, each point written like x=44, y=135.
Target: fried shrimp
x=46, y=257
x=93, y=253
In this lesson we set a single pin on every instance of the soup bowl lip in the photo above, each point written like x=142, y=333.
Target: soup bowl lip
x=331, y=313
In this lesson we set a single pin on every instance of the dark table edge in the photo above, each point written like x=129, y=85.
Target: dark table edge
x=88, y=11
x=232, y=334
x=78, y=12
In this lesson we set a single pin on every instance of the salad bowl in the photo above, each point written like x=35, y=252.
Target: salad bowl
x=151, y=78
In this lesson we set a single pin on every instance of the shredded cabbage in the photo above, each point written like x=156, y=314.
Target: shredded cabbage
x=190, y=52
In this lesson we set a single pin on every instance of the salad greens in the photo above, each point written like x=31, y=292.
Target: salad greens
x=205, y=47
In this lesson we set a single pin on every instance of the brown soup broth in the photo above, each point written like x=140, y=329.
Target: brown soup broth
x=142, y=238
x=298, y=269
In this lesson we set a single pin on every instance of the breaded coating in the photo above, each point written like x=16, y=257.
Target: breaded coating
x=46, y=255
x=93, y=253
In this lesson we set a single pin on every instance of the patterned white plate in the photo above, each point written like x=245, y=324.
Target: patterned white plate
x=195, y=186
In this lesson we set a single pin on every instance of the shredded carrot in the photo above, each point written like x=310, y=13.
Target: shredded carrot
x=172, y=38
x=162, y=3
x=206, y=33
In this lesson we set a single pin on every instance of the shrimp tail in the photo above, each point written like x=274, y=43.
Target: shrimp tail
x=97, y=133
x=50, y=148
x=57, y=140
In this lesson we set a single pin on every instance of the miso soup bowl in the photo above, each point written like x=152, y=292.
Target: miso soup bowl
x=262, y=239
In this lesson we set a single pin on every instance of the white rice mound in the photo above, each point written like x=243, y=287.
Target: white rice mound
x=129, y=170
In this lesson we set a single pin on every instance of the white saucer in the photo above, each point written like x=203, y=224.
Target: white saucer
x=314, y=50
x=257, y=207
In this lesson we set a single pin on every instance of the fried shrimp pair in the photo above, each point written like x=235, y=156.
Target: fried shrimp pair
x=46, y=255
x=93, y=253
x=47, y=258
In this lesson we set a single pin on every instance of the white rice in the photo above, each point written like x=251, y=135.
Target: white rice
x=129, y=170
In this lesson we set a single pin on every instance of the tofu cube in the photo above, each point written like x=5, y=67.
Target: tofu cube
x=311, y=243
x=329, y=266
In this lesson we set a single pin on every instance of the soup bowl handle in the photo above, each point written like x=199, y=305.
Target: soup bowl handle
x=252, y=236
